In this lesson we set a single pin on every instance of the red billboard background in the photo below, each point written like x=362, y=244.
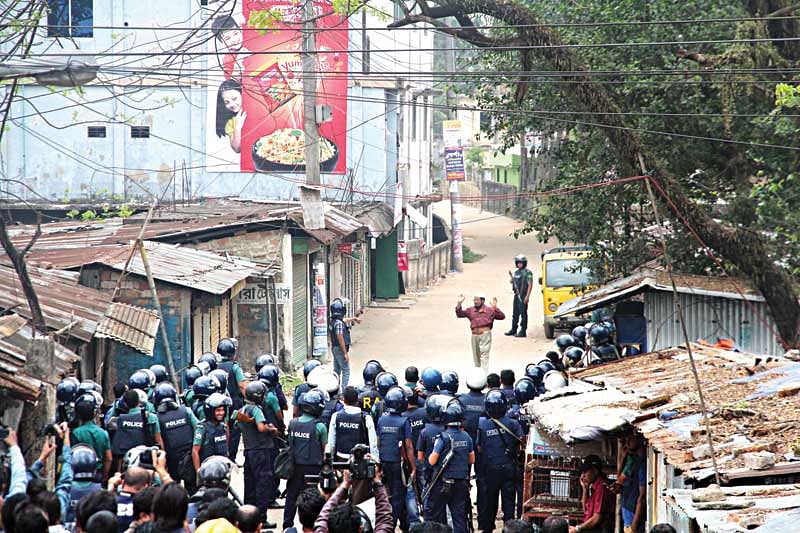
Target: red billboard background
x=272, y=88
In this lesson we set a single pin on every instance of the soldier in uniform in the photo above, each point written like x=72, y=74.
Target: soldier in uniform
x=226, y=348
x=307, y=438
x=178, y=425
x=257, y=434
x=369, y=393
x=498, y=445
x=451, y=456
x=394, y=443
x=212, y=435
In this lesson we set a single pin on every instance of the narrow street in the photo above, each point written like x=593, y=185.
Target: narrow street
x=428, y=333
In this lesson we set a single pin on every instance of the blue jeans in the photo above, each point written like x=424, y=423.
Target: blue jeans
x=341, y=367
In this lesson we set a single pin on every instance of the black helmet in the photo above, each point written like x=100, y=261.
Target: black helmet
x=264, y=359
x=580, y=332
x=565, y=341
x=312, y=402
x=431, y=378
x=222, y=377
x=209, y=358
x=384, y=382
x=573, y=354
x=338, y=309
x=255, y=392
x=191, y=374
x=67, y=390
x=371, y=371
x=546, y=366
x=521, y=259
x=600, y=334
x=495, y=403
x=524, y=390
x=453, y=413
x=151, y=377
x=366, y=524
x=535, y=372
x=395, y=400
x=450, y=381
x=269, y=374
x=84, y=462
x=606, y=352
x=215, y=401
x=215, y=472
x=161, y=373
x=89, y=385
x=86, y=407
x=226, y=349
x=310, y=365
x=433, y=407
x=205, y=386
x=164, y=392
x=139, y=380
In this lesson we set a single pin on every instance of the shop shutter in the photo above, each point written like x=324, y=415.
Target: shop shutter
x=299, y=309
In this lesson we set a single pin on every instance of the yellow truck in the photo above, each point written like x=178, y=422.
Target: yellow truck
x=562, y=279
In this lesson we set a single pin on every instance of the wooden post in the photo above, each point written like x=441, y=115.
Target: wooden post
x=162, y=326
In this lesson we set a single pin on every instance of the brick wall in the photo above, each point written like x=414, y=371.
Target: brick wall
x=258, y=246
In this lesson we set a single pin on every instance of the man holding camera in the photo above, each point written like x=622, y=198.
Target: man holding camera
x=339, y=517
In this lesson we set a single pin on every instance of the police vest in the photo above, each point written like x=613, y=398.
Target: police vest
x=522, y=282
x=429, y=434
x=498, y=448
x=349, y=430
x=366, y=399
x=461, y=444
x=254, y=439
x=216, y=441
x=473, y=411
x=130, y=432
x=278, y=392
x=515, y=414
x=391, y=433
x=331, y=406
x=416, y=419
x=75, y=494
x=233, y=387
x=124, y=510
x=346, y=335
x=176, y=430
x=306, y=447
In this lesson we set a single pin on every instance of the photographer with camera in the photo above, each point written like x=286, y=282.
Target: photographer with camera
x=89, y=433
x=339, y=517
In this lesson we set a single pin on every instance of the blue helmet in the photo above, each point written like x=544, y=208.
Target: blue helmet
x=606, y=352
x=524, y=390
x=191, y=375
x=449, y=381
x=226, y=348
x=565, y=341
x=580, y=333
x=384, y=382
x=269, y=375
x=338, y=309
x=371, y=371
x=264, y=359
x=84, y=462
x=161, y=373
x=536, y=373
x=222, y=377
x=395, y=400
x=433, y=407
x=164, y=392
x=209, y=358
x=86, y=406
x=495, y=403
x=310, y=365
x=600, y=334
x=67, y=390
x=214, y=402
x=431, y=378
x=574, y=354
x=89, y=385
x=205, y=386
x=139, y=380
x=546, y=366
x=453, y=413
x=312, y=402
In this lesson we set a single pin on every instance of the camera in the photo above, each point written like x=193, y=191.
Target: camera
x=327, y=476
x=146, y=457
x=48, y=430
x=361, y=466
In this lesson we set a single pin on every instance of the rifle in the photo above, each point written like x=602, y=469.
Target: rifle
x=438, y=475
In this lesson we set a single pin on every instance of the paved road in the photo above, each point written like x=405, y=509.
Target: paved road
x=430, y=334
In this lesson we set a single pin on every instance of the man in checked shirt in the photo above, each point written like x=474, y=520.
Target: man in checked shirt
x=481, y=319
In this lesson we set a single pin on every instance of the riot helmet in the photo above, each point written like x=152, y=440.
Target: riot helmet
x=536, y=373
x=433, y=407
x=384, y=382
x=86, y=407
x=210, y=358
x=395, y=400
x=453, y=413
x=495, y=403
x=191, y=374
x=580, y=333
x=521, y=259
x=67, y=390
x=139, y=380
x=565, y=341
x=205, y=386
x=269, y=375
x=226, y=349
x=215, y=401
x=371, y=371
x=164, y=393
x=161, y=373
x=310, y=365
x=476, y=379
x=338, y=308
x=264, y=359
x=215, y=473
x=222, y=377
x=431, y=378
x=573, y=354
x=312, y=402
x=450, y=381
x=255, y=392
x=600, y=334
x=83, y=462
x=524, y=390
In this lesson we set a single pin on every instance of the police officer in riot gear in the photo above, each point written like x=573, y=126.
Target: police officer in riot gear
x=498, y=445
x=302, y=388
x=329, y=384
x=258, y=435
x=522, y=283
x=160, y=372
x=178, y=425
x=349, y=427
x=450, y=383
x=433, y=427
x=369, y=393
x=431, y=379
x=83, y=461
x=451, y=458
x=307, y=438
x=137, y=427
x=203, y=387
x=384, y=382
x=190, y=376
x=473, y=401
x=340, y=340
x=212, y=436
x=226, y=348
x=394, y=443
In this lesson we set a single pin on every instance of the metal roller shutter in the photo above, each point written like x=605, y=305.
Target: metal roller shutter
x=299, y=309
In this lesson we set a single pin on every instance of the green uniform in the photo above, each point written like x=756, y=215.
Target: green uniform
x=92, y=435
x=320, y=429
x=152, y=420
x=271, y=402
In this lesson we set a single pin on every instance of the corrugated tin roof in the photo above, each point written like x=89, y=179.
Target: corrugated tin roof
x=378, y=217
x=135, y=326
x=740, y=389
x=658, y=280
x=187, y=267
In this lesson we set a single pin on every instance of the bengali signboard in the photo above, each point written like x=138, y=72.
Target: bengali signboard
x=453, y=150
x=255, y=109
x=261, y=294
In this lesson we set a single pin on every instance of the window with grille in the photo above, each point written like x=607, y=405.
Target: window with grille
x=140, y=132
x=96, y=132
x=70, y=18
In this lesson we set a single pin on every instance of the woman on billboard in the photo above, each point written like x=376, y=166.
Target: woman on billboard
x=230, y=114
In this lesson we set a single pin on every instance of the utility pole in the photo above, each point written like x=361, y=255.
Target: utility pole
x=309, y=95
x=457, y=250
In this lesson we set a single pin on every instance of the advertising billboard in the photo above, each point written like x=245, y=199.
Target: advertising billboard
x=256, y=87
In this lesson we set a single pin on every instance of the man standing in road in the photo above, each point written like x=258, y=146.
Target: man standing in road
x=522, y=282
x=481, y=319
